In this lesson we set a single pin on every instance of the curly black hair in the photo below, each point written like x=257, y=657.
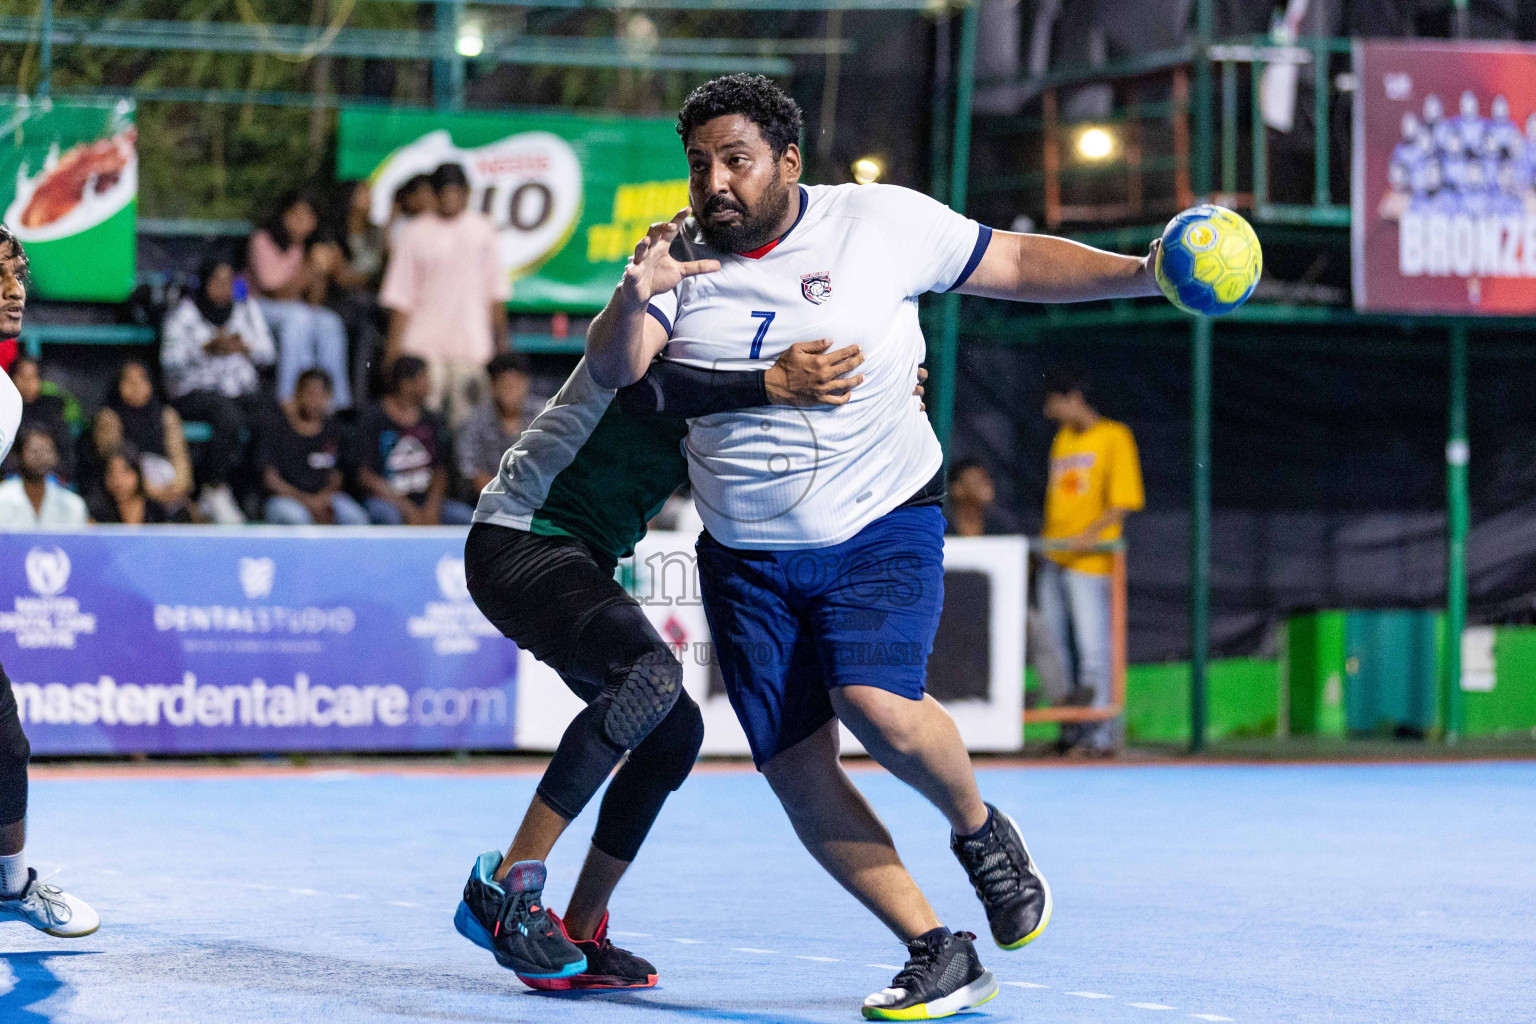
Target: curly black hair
x=8, y=238
x=776, y=115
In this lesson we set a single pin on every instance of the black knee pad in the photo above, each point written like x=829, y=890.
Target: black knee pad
x=669, y=752
x=643, y=694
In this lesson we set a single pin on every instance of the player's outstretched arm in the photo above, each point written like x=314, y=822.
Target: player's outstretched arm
x=805, y=374
x=1043, y=268
x=623, y=339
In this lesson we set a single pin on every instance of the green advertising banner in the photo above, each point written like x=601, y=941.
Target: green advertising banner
x=570, y=194
x=69, y=180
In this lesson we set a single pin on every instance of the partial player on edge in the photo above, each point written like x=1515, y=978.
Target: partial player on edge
x=23, y=896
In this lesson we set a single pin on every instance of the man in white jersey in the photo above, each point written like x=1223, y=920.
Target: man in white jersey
x=23, y=896
x=822, y=559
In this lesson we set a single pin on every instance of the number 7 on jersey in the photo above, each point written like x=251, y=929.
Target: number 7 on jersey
x=762, y=331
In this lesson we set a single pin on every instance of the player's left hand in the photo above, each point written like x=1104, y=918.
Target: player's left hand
x=919, y=391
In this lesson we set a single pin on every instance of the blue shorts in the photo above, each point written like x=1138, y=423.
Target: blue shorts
x=788, y=625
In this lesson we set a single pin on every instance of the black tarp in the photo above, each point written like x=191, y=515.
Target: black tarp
x=1328, y=469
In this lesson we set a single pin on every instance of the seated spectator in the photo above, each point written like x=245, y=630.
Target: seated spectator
x=496, y=422
x=35, y=500
x=292, y=287
x=133, y=416
x=209, y=350
x=299, y=460
x=401, y=455
x=354, y=257
x=121, y=497
x=47, y=412
x=365, y=242
x=447, y=293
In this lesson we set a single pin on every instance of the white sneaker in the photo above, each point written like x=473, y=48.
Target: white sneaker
x=218, y=505
x=49, y=909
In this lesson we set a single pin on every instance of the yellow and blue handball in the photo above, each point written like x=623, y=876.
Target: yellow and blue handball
x=1209, y=261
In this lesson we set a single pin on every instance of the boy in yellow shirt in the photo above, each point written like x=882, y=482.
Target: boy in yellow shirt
x=1095, y=481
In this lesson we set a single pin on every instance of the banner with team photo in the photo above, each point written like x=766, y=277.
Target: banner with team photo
x=1444, y=190
x=570, y=194
x=69, y=181
x=174, y=640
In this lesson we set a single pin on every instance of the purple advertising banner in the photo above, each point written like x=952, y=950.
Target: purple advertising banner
x=197, y=640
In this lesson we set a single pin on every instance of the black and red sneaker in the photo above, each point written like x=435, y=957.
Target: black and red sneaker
x=608, y=966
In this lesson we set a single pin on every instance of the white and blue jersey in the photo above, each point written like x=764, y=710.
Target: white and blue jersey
x=850, y=270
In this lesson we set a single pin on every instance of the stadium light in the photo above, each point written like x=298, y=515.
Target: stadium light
x=471, y=41
x=1095, y=144
x=867, y=169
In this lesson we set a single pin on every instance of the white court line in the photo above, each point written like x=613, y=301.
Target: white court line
x=819, y=959
x=305, y=892
x=690, y=942
x=1149, y=1006
x=633, y=935
x=402, y=903
x=1208, y=1016
x=885, y=967
x=1091, y=995
x=1025, y=984
x=751, y=949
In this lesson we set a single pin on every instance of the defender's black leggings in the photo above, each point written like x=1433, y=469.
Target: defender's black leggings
x=556, y=598
x=15, y=751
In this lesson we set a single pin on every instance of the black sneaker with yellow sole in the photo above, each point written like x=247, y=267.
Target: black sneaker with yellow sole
x=1010, y=886
x=942, y=977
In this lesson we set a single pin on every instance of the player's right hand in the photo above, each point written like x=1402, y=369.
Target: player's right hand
x=807, y=374
x=652, y=270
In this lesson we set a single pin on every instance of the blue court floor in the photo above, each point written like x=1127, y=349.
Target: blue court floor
x=1393, y=893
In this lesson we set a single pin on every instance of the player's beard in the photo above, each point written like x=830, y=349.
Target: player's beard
x=759, y=223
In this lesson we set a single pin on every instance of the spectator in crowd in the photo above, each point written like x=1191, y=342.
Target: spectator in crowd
x=447, y=294
x=292, y=284
x=365, y=242
x=971, y=493
x=121, y=497
x=210, y=348
x=300, y=459
x=1094, y=483
x=414, y=199
x=35, y=500
x=47, y=412
x=355, y=259
x=133, y=416
x=496, y=422
x=402, y=455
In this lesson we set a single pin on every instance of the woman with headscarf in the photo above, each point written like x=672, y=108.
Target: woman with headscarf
x=133, y=415
x=291, y=278
x=211, y=345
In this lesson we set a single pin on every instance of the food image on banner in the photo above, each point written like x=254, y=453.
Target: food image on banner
x=69, y=185
x=1444, y=192
x=569, y=194
x=188, y=640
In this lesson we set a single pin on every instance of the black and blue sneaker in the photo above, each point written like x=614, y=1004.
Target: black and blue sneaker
x=510, y=920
